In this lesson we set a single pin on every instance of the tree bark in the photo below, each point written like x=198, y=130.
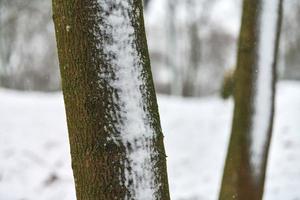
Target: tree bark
x=244, y=173
x=113, y=122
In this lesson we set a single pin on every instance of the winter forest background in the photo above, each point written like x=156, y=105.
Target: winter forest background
x=192, y=45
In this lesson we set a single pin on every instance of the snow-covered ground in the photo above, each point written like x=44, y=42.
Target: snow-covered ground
x=35, y=161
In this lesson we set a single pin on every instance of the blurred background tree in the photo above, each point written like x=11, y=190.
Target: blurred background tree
x=190, y=47
x=290, y=42
x=28, y=58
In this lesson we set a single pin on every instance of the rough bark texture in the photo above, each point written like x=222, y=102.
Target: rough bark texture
x=98, y=163
x=239, y=181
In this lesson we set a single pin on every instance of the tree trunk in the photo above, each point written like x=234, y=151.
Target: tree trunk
x=194, y=52
x=114, y=127
x=255, y=77
x=171, y=51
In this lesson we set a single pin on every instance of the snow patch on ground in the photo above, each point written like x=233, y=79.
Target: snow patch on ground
x=35, y=158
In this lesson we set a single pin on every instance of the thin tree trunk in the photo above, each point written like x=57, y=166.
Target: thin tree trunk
x=255, y=77
x=172, y=46
x=114, y=127
x=194, y=52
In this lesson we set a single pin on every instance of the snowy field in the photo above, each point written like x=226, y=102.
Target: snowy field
x=35, y=161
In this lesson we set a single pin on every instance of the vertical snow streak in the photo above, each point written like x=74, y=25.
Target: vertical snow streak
x=263, y=91
x=133, y=125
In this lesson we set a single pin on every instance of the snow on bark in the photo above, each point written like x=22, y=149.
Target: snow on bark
x=133, y=128
x=263, y=87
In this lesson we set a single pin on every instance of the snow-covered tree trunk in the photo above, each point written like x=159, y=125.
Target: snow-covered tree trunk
x=114, y=127
x=255, y=78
